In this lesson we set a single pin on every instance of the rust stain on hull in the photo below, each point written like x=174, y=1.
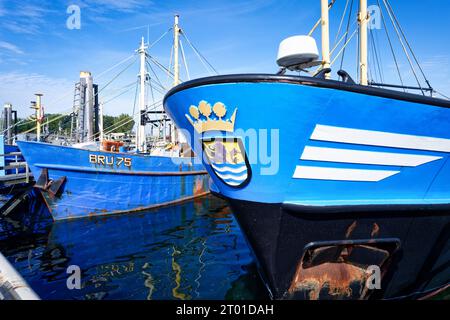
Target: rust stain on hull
x=199, y=187
x=375, y=230
x=339, y=270
x=337, y=279
x=350, y=229
x=143, y=208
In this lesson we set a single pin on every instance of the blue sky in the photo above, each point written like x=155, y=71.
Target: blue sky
x=39, y=53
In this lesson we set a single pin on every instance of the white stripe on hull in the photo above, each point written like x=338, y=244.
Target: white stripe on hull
x=341, y=174
x=379, y=138
x=365, y=157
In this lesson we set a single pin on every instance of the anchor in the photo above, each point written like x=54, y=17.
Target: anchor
x=52, y=187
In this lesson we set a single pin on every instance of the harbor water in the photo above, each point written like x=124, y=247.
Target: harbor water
x=190, y=251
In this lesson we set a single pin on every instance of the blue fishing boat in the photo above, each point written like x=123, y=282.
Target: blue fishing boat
x=328, y=179
x=99, y=177
x=80, y=183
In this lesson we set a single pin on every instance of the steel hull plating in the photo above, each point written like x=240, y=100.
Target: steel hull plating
x=99, y=183
x=279, y=237
x=335, y=167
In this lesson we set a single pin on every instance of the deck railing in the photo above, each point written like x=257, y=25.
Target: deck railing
x=16, y=164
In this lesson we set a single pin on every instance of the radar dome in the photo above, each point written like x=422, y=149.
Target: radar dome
x=296, y=51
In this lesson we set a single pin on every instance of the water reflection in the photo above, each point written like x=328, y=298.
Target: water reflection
x=190, y=251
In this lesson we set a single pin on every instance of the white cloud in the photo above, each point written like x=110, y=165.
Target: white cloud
x=129, y=5
x=439, y=61
x=21, y=28
x=33, y=12
x=10, y=47
x=24, y=18
x=19, y=88
x=3, y=11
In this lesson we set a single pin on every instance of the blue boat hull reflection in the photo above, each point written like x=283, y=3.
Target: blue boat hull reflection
x=190, y=251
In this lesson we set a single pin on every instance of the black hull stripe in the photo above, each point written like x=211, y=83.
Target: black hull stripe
x=355, y=211
x=311, y=81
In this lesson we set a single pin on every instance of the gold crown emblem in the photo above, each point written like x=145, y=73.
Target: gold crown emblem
x=204, y=122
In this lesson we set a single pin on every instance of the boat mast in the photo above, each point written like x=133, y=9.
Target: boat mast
x=362, y=19
x=176, y=65
x=38, y=115
x=141, y=144
x=325, y=36
x=176, y=70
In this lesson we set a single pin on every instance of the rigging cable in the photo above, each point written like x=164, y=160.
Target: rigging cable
x=184, y=61
x=441, y=94
x=409, y=46
x=346, y=34
x=342, y=20
x=375, y=53
x=390, y=45
x=135, y=95
x=156, y=76
x=172, y=49
x=330, y=5
x=200, y=56
x=357, y=54
x=370, y=62
x=115, y=77
x=63, y=115
x=343, y=47
x=118, y=95
x=159, y=65
x=156, y=41
x=124, y=121
x=113, y=91
x=340, y=40
x=380, y=62
x=151, y=88
x=114, y=66
x=404, y=48
x=26, y=121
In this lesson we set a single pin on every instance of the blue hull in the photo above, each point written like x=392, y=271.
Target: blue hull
x=317, y=146
x=327, y=179
x=98, y=183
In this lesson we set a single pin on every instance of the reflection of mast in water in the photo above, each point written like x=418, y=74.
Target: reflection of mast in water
x=176, y=267
x=149, y=281
x=202, y=267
